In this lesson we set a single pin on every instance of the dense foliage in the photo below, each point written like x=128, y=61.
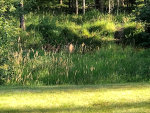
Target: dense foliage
x=35, y=38
x=144, y=14
x=8, y=33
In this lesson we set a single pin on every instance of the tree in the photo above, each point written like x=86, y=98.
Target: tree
x=61, y=2
x=72, y=5
x=83, y=6
x=118, y=5
x=99, y=4
x=8, y=34
x=77, y=7
x=22, y=20
x=69, y=4
x=111, y=6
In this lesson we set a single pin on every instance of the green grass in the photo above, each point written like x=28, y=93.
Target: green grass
x=65, y=28
x=111, y=98
x=110, y=64
x=34, y=62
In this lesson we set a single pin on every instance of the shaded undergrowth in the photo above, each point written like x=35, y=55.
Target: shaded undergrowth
x=41, y=54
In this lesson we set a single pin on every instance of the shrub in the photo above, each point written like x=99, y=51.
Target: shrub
x=8, y=37
x=136, y=35
x=31, y=39
x=144, y=14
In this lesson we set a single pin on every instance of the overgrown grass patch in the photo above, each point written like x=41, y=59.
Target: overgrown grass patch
x=108, y=64
x=65, y=28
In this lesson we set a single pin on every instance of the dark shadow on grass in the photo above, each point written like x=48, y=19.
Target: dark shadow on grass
x=98, y=108
x=63, y=88
x=57, y=35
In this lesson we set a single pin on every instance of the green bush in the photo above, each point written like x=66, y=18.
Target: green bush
x=144, y=14
x=136, y=35
x=8, y=36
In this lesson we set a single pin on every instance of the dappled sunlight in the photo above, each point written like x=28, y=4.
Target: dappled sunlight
x=99, y=98
x=74, y=56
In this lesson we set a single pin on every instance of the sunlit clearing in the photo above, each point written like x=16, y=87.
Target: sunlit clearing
x=122, y=98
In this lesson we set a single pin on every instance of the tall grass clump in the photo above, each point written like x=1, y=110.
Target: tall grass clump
x=102, y=28
x=111, y=64
x=58, y=32
x=42, y=56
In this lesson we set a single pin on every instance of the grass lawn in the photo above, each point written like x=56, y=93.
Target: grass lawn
x=111, y=98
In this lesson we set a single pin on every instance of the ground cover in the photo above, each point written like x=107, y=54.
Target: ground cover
x=110, y=98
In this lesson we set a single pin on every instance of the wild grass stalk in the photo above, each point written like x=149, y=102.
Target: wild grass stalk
x=111, y=64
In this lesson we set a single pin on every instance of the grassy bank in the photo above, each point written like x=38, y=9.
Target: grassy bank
x=40, y=56
x=114, y=98
x=108, y=64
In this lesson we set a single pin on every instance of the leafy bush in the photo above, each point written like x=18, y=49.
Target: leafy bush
x=8, y=36
x=144, y=14
x=136, y=35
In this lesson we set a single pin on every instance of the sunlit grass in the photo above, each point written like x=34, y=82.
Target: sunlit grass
x=108, y=64
x=121, y=98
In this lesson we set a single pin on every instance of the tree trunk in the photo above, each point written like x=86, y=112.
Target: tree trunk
x=109, y=9
x=69, y=4
x=22, y=20
x=97, y=4
x=83, y=6
x=77, y=7
x=111, y=6
x=122, y=3
x=72, y=4
x=118, y=5
x=101, y=5
x=61, y=2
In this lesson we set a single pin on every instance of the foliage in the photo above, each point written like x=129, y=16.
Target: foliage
x=111, y=64
x=144, y=14
x=105, y=28
x=136, y=35
x=40, y=54
x=8, y=34
x=61, y=31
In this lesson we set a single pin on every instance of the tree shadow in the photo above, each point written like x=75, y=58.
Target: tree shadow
x=63, y=35
x=97, y=108
x=129, y=86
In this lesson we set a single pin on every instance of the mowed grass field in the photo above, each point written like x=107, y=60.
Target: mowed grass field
x=110, y=98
